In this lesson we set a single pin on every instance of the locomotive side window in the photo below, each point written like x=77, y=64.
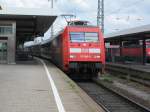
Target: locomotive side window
x=77, y=37
x=91, y=37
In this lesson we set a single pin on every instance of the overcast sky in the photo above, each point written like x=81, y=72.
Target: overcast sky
x=119, y=14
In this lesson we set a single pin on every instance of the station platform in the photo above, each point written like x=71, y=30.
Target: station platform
x=39, y=86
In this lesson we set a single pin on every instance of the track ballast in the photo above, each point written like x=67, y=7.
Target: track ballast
x=110, y=101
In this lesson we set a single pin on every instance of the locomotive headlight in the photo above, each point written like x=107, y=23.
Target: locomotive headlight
x=97, y=56
x=72, y=56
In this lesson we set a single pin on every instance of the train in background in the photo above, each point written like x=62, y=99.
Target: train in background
x=77, y=48
x=131, y=51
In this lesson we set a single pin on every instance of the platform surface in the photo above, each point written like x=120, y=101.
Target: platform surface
x=25, y=87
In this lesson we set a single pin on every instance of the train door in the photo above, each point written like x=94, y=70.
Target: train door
x=3, y=52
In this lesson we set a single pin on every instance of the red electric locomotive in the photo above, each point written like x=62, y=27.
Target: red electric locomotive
x=78, y=47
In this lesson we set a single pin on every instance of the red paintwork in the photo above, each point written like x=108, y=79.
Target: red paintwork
x=148, y=52
x=66, y=45
x=129, y=51
x=135, y=52
x=132, y=52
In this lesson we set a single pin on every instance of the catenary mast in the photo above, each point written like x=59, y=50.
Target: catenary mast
x=100, y=15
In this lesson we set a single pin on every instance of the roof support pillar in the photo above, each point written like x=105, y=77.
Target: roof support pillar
x=144, y=52
x=120, y=44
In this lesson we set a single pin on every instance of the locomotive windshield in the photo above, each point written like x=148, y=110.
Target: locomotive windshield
x=91, y=37
x=77, y=37
x=84, y=37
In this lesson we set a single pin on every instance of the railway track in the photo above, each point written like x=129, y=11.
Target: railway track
x=110, y=101
x=138, y=76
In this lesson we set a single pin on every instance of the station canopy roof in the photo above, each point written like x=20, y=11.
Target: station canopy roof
x=29, y=22
x=137, y=33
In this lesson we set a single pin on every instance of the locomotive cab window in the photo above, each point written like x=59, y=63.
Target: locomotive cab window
x=91, y=37
x=77, y=37
x=84, y=37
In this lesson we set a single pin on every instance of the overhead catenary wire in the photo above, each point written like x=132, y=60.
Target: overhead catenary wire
x=125, y=6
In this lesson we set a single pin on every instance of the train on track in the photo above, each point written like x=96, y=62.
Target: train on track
x=131, y=51
x=79, y=48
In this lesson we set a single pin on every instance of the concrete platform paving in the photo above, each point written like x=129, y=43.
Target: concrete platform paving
x=25, y=87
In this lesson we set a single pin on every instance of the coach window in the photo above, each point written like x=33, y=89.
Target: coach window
x=91, y=37
x=77, y=37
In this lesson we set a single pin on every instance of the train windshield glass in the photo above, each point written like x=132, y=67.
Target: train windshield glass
x=77, y=37
x=83, y=37
x=91, y=37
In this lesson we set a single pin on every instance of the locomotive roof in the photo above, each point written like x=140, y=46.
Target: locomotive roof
x=78, y=22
